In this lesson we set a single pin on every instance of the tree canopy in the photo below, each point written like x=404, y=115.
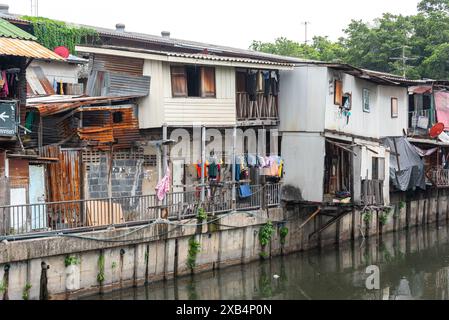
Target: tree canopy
x=415, y=45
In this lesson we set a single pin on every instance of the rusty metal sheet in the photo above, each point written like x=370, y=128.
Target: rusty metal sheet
x=98, y=126
x=26, y=48
x=37, y=83
x=54, y=105
x=107, y=83
x=131, y=66
x=64, y=176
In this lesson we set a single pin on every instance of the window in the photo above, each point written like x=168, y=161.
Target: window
x=338, y=92
x=193, y=81
x=378, y=167
x=394, y=108
x=117, y=117
x=366, y=101
x=347, y=101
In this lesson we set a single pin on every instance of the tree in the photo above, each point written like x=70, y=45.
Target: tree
x=423, y=38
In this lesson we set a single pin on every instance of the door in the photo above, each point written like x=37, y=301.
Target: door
x=37, y=197
x=178, y=175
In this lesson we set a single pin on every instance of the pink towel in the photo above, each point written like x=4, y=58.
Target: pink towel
x=442, y=107
x=163, y=186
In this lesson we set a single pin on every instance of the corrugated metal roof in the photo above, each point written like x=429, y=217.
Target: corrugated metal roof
x=197, y=56
x=26, y=48
x=8, y=30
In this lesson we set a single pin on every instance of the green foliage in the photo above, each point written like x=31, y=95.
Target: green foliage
x=201, y=215
x=402, y=205
x=2, y=287
x=71, y=260
x=26, y=291
x=194, y=249
x=51, y=33
x=100, y=275
x=377, y=45
x=114, y=265
x=283, y=233
x=367, y=216
x=265, y=233
x=263, y=255
x=383, y=218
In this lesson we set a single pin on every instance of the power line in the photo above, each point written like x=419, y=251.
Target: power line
x=404, y=59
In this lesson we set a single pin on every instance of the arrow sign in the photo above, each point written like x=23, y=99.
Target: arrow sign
x=8, y=124
x=4, y=116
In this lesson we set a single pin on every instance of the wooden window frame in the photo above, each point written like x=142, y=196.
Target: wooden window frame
x=174, y=75
x=394, y=101
x=185, y=94
x=338, y=92
x=366, y=93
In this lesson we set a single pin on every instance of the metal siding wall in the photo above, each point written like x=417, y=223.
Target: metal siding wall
x=303, y=154
x=186, y=111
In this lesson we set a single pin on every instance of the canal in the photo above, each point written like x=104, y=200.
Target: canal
x=413, y=264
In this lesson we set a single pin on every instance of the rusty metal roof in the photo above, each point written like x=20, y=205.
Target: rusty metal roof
x=56, y=104
x=26, y=48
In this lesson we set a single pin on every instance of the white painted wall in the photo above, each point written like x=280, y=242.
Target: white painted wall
x=160, y=107
x=307, y=104
x=303, y=154
x=378, y=122
x=59, y=71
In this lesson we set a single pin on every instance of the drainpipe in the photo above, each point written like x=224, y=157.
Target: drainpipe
x=234, y=142
x=203, y=161
x=164, y=158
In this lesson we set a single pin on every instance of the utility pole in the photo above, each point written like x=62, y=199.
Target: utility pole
x=305, y=23
x=34, y=8
x=403, y=58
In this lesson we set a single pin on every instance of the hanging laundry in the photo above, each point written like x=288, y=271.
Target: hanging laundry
x=237, y=172
x=251, y=160
x=5, y=90
x=260, y=81
x=261, y=161
x=251, y=85
x=267, y=83
x=198, y=169
x=213, y=170
x=274, y=83
x=163, y=187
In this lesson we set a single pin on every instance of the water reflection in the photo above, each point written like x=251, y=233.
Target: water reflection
x=413, y=265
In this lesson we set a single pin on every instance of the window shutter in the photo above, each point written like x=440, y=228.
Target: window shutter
x=208, y=82
x=178, y=81
x=338, y=93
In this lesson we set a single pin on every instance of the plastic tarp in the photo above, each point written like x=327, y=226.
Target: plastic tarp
x=411, y=175
x=442, y=107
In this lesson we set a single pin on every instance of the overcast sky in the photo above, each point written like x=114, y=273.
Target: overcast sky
x=231, y=22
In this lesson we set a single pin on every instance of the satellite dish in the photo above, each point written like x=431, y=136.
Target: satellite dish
x=62, y=52
x=436, y=130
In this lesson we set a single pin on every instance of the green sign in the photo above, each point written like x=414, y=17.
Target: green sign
x=8, y=125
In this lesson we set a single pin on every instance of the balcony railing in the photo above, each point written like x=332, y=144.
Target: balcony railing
x=98, y=214
x=421, y=121
x=262, y=109
x=439, y=177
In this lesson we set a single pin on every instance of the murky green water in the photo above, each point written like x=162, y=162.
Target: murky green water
x=413, y=265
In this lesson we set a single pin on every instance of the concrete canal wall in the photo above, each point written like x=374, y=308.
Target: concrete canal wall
x=78, y=266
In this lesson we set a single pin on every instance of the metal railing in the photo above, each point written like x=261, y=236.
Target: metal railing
x=439, y=177
x=124, y=211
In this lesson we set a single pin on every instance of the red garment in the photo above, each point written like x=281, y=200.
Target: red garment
x=198, y=170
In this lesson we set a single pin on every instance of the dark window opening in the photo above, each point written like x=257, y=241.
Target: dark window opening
x=193, y=81
x=117, y=117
